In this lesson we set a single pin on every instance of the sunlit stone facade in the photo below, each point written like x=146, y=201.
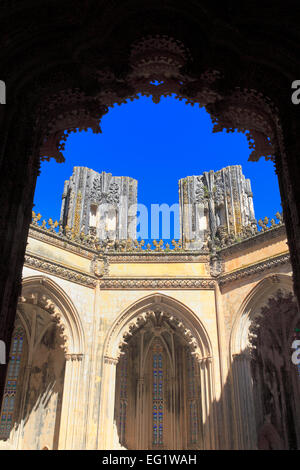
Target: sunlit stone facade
x=123, y=346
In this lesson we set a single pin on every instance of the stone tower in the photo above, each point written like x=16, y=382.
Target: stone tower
x=214, y=205
x=100, y=204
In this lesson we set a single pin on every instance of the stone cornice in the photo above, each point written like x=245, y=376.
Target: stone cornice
x=170, y=257
x=134, y=283
x=254, y=268
x=56, y=269
x=76, y=276
x=54, y=239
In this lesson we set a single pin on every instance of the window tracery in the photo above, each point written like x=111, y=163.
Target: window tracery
x=10, y=390
x=158, y=386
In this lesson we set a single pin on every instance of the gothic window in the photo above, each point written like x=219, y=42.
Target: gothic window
x=158, y=395
x=6, y=419
x=192, y=400
x=157, y=401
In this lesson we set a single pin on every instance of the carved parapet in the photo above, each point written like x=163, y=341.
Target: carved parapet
x=107, y=245
x=249, y=232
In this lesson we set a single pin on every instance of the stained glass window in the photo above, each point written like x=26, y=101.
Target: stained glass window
x=11, y=384
x=158, y=395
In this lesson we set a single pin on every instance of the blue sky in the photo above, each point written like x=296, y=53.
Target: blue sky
x=157, y=144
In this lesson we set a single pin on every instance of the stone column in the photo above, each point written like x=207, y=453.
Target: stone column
x=209, y=441
x=71, y=403
x=243, y=402
x=140, y=413
x=106, y=425
x=223, y=413
x=173, y=411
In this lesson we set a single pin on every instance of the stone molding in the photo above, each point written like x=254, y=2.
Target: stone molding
x=136, y=283
x=159, y=258
x=54, y=268
x=74, y=357
x=56, y=240
x=111, y=360
x=254, y=269
x=157, y=284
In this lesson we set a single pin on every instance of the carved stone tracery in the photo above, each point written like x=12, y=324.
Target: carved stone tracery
x=157, y=67
x=46, y=303
x=160, y=323
x=271, y=337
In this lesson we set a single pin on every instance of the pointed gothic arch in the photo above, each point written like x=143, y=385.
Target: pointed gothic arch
x=274, y=289
x=252, y=303
x=165, y=315
x=125, y=323
x=55, y=300
x=53, y=331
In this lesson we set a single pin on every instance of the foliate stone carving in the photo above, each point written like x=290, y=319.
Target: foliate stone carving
x=53, y=268
x=273, y=373
x=160, y=323
x=252, y=113
x=46, y=303
x=96, y=189
x=257, y=268
x=157, y=284
x=157, y=65
x=99, y=205
x=98, y=195
x=113, y=193
x=200, y=193
x=159, y=257
x=63, y=113
x=157, y=59
x=84, y=243
x=215, y=205
x=251, y=232
x=279, y=314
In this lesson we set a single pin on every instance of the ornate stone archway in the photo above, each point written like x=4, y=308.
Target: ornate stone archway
x=157, y=320
x=52, y=328
x=67, y=80
x=264, y=323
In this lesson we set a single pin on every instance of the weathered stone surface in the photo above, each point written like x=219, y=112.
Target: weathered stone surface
x=100, y=204
x=215, y=205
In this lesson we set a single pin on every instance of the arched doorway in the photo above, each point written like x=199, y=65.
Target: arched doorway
x=158, y=370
